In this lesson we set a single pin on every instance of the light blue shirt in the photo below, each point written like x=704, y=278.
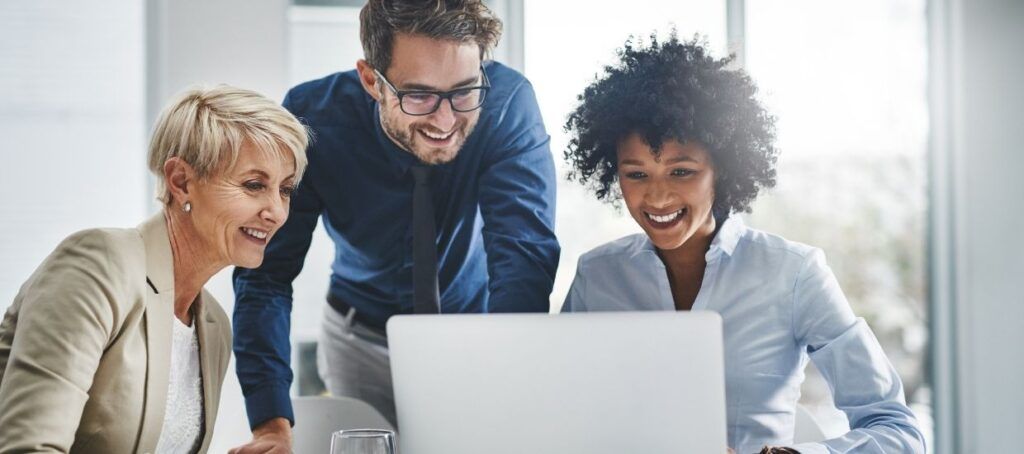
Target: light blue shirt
x=780, y=305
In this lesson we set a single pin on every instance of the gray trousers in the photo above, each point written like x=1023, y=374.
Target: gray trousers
x=353, y=361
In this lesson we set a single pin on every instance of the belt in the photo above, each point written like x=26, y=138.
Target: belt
x=343, y=308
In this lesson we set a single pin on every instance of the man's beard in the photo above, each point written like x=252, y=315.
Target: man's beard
x=425, y=153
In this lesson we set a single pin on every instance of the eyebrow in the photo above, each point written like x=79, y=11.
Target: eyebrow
x=265, y=175
x=258, y=172
x=675, y=160
x=424, y=87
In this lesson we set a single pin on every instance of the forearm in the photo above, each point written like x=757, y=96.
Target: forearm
x=870, y=392
x=880, y=439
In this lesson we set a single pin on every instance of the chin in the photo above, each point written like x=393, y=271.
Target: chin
x=666, y=241
x=436, y=156
x=433, y=155
x=667, y=245
x=249, y=262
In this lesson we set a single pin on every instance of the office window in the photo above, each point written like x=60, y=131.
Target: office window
x=568, y=43
x=323, y=39
x=847, y=81
x=72, y=126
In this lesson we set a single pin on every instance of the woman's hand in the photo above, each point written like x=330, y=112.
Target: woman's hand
x=778, y=450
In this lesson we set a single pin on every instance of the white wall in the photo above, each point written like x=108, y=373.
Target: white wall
x=566, y=45
x=72, y=132
x=510, y=49
x=978, y=53
x=237, y=42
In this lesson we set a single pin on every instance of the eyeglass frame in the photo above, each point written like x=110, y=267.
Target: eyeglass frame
x=442, y=95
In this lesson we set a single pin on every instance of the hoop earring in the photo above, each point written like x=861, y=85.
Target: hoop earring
x=187, y=207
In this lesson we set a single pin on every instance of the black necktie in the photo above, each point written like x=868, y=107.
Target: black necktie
x=424, y=245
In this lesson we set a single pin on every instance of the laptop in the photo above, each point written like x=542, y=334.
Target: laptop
x=586, y=383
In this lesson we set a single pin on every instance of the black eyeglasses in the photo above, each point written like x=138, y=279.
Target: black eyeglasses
x=426, y=102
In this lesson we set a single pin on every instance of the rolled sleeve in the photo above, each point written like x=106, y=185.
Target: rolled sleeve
x=517, y=204
x=263, y=305
x=867, y=388
x=864, y=383
x=269, y=402
x=262, y=323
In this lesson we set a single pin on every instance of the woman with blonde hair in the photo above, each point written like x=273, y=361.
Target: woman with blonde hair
x=113, y=345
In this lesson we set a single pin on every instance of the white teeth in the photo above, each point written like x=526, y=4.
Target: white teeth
x=665, y=218
x=437, y=136
x=255, y=233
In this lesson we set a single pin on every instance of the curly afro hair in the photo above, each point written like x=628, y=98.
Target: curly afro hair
x=674, y=90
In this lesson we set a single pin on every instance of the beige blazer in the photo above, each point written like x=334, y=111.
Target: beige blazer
x=85, y=349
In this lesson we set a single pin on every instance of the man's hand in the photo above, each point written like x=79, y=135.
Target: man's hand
x=271, y=437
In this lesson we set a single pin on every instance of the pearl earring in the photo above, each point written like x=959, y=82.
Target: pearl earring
x=187, y=207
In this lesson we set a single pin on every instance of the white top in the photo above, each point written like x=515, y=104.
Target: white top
x=781, y=306
x=182, y=431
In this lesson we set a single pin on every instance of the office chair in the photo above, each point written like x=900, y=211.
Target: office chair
x=316, y=418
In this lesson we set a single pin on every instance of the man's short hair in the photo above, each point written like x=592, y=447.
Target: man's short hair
x=454, y=20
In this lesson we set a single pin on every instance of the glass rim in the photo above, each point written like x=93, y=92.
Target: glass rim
x=363, y=432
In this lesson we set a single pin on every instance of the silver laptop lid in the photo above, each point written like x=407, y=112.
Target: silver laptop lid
x=612, y=382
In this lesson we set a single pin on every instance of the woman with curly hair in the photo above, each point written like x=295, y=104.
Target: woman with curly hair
x=681, y=139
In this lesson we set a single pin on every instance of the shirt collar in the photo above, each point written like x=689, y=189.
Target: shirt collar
x=159, y=260
x=156, y=239
x=728, y=236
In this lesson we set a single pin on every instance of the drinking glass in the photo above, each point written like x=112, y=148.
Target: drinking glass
x=363, y=441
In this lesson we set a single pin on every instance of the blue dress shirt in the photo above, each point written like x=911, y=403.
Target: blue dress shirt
x=780, y=305
x=494, y=205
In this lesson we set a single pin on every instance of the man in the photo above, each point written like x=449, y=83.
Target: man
x=431, y=171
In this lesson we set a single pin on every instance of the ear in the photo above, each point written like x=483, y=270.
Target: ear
x=368, y=79
x=178, y=175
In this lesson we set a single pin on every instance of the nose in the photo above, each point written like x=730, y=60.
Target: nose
x=444, y=117
x=659, y=194
x=275, y=211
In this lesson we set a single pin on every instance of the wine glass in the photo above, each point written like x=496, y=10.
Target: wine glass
x=363, y=441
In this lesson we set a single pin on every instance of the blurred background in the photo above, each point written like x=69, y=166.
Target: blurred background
x=896, y=124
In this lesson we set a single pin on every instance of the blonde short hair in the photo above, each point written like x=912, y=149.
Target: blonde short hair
x=206, y=126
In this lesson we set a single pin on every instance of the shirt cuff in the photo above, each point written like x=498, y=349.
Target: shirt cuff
x=811, y=448
x=268, y=403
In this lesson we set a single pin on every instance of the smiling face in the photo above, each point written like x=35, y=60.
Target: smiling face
x=422, y=63
x=669, y=195
x=236, y=210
